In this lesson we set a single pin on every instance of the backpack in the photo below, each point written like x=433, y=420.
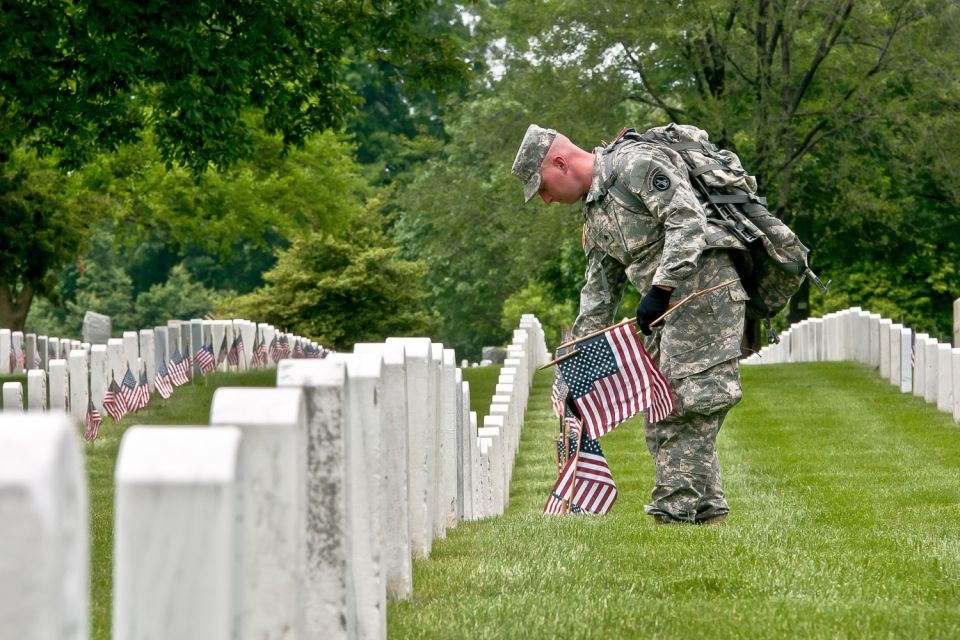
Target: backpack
x=774, y=263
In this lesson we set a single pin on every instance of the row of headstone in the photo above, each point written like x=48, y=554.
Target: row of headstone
x=913, y=362
x=85, y=371
x=20, y=352
x=295, y=515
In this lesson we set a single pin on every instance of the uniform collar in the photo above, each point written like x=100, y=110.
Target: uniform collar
x=596, y=183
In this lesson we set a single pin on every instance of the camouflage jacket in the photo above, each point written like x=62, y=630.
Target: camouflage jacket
x=660, y=246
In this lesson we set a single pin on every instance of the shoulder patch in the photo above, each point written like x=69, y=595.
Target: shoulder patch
x=658, y=180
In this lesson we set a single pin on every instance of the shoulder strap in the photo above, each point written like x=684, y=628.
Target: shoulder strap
x=611, y=185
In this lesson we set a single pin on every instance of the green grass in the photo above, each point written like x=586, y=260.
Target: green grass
x=845, y=523
x=189, y=405
x=483, y=382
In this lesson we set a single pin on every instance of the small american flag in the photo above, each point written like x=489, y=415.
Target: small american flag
x=179, y=368
x=204, y=359
x=37, y=362
x=558, y=394
x=275, y=349
x=222, y=353
x=93, y=421
x=611, y=378
x=162, y=382
x=113, y=403
x=284, y=347
x=143, y=390
x=258, y=358
x=128, y=392
x=594, y=490
x=297, y=350
x=233, y=356
x=13, y=359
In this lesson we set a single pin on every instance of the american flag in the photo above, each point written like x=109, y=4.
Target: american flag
x=128, y=391
x=297, y=350
x=113, y=402
x=222, y=353
x=37, y=362
x=558, y=394
x=162, y=382
x=913, y=350
x=236, y=347
x=611, y=378
x=259, y=356
x=143, y=390
x=179, y=369
x=594, y=490
x=204, y=359
x=275, y=350
x=94, y=419
x=13, y=359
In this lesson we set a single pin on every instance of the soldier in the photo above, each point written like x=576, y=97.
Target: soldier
x=665, y=252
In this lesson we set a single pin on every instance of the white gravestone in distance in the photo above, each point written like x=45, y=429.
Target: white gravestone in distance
x=493, y=431
x=44, y=548
x=448, y=432
x=273, y=488
x=439, y=508
x=131, y=349
x=99, y=375
x=174, y=548
x=5, y=345
x=79, y=384
x=37, y=390
x=945, y=375
x=59, y=385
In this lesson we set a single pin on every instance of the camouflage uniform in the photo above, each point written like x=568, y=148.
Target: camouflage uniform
x=698, y=345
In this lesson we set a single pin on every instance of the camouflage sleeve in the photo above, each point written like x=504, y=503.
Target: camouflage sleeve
x=667, y=194
x=601, y=294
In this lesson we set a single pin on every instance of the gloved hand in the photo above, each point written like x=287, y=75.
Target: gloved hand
x=653, y=305
x=572, y=408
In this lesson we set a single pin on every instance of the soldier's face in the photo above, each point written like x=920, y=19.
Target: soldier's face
x=557, y=183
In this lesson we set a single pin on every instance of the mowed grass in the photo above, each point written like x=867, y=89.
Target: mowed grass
x=845, y=523
x=483, y=382
x=189, y=405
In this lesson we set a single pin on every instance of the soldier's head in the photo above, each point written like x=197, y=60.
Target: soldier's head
x=548, y=164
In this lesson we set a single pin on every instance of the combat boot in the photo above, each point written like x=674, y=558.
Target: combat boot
x=720, y=519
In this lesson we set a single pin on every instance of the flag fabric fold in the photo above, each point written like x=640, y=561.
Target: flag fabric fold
x=92, y=428
x=585, y=480
x=113, y=402
x=162, y=382
x=204, y=359
x=179, y=369
x=611, y=378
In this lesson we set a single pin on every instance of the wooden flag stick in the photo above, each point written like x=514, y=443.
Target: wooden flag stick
x=573, y=479
x=629, y=320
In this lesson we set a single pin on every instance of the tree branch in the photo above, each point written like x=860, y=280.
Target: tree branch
x=671, y=112
x=831, y=32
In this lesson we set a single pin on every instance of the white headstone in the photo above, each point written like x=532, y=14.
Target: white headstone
x=906, y=356
x=420, y=414
x=930, y=361
x=148, y=355
x=78, y=370
x=99, y=375
x=451, y=443
x=439, y=502
x=116, y=361
x=330, y=600
x=16, y=342
x=495, y=453
x=197, y=340
x=12, y=397
x=30, y=349
x=43, y=347
x=175, y=534
x=366, y=489
x=59, y=385
x=396, y=543
x=945, y=375
x=467, y=446
x=883, y=328
x=131, y=349
x=5, y=343
x=273, y=488
x=873, y=325
x=895, y=336
x=956, y=384
x=477, y=502
x=919, y=366
x=37, y=390
x=44, y=547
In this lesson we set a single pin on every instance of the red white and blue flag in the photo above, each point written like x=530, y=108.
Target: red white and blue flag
x=128, y=392
x=258, y=358
x=204, y=358
x=611, y=378
x=179, y=369
x=93, y=421
x=161, y=381
x=113, y=402
x=143, y=391
x=586, y=482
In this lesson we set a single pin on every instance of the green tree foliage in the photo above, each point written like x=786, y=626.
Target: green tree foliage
x=341, y=290
x=841, y=108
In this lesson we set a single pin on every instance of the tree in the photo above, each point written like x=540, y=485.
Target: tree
x=341, y=290
x=90, y=76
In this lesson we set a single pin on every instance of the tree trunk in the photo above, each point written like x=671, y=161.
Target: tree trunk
x=14, y=306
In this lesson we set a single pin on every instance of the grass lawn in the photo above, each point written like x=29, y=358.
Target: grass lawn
x=483, y=382
x=845, y=522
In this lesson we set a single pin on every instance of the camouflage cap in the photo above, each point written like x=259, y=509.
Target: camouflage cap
x=533, y=149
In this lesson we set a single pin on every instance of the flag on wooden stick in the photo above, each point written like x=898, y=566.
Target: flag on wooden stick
x=611, y=378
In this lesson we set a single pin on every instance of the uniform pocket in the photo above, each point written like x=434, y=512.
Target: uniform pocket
x=703, y=333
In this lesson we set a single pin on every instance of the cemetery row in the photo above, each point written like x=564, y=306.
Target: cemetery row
x=68, y=374
x=913, y=362
x=295, y=515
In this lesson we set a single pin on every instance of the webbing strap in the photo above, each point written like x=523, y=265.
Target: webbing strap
x=712, y=166
x=736, y=198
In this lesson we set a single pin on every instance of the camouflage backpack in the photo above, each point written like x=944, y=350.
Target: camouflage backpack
x=774, y=263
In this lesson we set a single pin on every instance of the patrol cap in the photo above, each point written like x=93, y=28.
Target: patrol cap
x=533, y=149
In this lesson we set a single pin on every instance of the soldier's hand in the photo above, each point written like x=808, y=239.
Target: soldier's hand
x=653, y=305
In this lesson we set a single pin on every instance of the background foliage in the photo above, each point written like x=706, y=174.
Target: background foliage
x=200, y=185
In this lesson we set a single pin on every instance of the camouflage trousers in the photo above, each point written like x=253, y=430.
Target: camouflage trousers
x=687, y=483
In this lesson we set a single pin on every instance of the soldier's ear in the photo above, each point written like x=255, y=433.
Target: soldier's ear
x=560, y=163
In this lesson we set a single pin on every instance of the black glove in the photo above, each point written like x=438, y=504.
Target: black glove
x=653, y=305
x=572, y=408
